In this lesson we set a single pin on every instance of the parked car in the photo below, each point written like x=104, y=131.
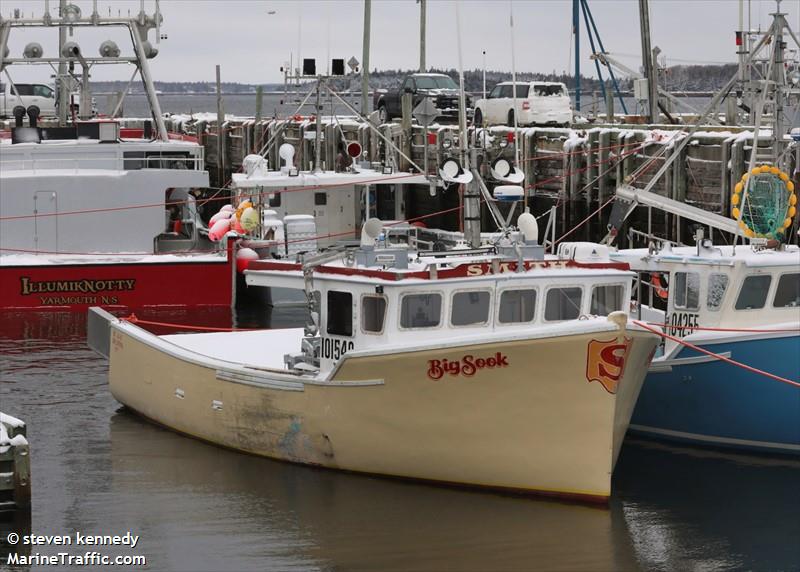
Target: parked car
x=27, y=95
x=439, y=87
x=538, y=103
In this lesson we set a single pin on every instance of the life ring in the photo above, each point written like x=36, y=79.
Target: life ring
x=660, y=289
x=782, y=220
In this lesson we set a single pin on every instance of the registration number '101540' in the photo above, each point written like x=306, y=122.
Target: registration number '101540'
x=331, y=348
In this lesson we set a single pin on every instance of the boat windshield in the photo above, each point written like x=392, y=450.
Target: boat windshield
x=435, y=82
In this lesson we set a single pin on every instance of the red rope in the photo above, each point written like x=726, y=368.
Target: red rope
x=746, y=330
x=718, y=356
x=584, y=221
x=134, y=320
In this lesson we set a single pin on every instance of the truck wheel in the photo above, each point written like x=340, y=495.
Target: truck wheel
x=477, y=120
x=383, y=115
x=511, y=118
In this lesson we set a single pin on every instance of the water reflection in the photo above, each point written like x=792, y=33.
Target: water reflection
x=97, y=469
x=694, y=508
x=272, y=514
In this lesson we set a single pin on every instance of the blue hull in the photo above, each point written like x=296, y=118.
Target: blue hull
x=719, y=404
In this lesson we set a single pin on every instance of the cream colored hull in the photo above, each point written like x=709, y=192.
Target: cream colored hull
x=534, y=425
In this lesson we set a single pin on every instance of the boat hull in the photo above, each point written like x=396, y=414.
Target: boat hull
x=78, y=286
x=718, y=404
x=533, y=422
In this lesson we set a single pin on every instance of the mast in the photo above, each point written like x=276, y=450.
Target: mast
x=422, y=15
x=576, y=22
x=365, y=60
x=63, y=78
x=647, y=61
x=472, y=196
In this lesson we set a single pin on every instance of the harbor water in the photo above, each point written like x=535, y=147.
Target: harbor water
x=98, y=469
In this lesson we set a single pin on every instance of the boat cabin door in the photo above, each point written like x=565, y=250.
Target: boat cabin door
x=683, y=304
x=45, y=221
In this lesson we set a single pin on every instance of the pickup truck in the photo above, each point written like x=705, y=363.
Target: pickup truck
x=439, y=87
x=27, y=95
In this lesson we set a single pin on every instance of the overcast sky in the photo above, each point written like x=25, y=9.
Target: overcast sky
x=252, y=38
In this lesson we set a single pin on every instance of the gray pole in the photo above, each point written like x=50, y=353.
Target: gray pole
x=63, y=83
x=647, y=60
x=778, y=79
x=365, y=61
x=421, y=36
x=220, y=121
x=318, y=134
x=147, y=81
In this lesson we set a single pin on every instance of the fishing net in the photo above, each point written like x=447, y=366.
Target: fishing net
x=767, y=208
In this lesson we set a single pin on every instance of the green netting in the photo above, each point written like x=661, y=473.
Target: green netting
x=766, y=205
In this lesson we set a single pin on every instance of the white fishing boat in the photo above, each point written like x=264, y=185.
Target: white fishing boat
x=489, y=367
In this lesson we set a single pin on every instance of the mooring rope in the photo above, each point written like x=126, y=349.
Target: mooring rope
x=718, y=356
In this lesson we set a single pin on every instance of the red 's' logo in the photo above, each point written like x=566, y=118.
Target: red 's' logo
x=605, y=362
x=467, y=366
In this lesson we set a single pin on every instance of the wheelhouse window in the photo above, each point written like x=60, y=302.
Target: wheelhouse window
x=420, y=310
x=517, y=306
x=717, y=285
x=753, y=294
x=787, y=295
x=563, y=304
x=687, y=290
x=340, y=313
x=470, y=308
x=373, y=313
x=606, y=299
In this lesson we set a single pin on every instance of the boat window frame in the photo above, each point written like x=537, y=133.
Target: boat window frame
x=486, y=322
x=673, y=283
x=724, y=292
x=353, y=314
x=536, y=305
x=442, y=309
x=741, y=288
x=563, y=287
x=385, y=298
x=621, y=285
x=777, y=285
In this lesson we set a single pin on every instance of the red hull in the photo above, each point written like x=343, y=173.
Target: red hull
x=76, y=287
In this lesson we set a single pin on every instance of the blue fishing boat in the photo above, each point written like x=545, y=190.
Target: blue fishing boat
x=743, y=306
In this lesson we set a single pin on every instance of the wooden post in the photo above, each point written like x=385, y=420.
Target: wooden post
x=259, y=102
x=609, y=104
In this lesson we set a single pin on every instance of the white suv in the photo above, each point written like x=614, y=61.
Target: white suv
x=538, y=103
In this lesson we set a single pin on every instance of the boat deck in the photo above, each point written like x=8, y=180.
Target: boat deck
x=262, y=348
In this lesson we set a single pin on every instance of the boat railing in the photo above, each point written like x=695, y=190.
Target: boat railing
x=126, y=162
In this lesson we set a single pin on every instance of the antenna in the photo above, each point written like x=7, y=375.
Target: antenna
x=529, y=227
x=370, y=231
x=286, y=152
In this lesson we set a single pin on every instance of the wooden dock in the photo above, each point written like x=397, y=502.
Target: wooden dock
x=577, y=169
x=15, y=467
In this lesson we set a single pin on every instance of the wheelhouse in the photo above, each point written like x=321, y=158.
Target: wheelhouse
x=368, y=309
